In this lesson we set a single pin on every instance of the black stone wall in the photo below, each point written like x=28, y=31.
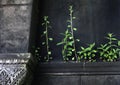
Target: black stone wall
x=15, y=17
x=94, y=19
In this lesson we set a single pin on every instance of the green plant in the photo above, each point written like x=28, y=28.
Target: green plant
x=69, y=46
x=109, y=51
x=88, y=53
x=45, y=34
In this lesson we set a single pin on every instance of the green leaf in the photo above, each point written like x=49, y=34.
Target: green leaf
x=51, y=58
x=113, y=38
x=70, y=43
x=68, y=21
x=75, y=29
x=49, y=53
x=70, y=38
x=51, y=39
x=82, y=48
x=66, y=32
x=118, y=43
x=36, y=51
x=43, y=24
x=69, y=26
x=48, y=22
x=78, y=40
x=60, y=43
x=70, y=49
x=43, y=43
x=74, y=17
x=73, y=49
x=44, y=32
x=62, y=34
x=73, y=58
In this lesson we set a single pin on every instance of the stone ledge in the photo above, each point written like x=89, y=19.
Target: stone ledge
x=5, y=2
x=14, y=68
x=91, y=68
x=14, y=58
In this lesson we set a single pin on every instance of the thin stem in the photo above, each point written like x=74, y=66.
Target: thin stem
x=47, y=43
x=72, y=32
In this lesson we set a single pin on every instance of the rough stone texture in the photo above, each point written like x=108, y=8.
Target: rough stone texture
x=13, y=68
x=101, y=80
x=92, y=73
x=79, y=80
x=3, y=2
x=14, y=28
x=59, y=80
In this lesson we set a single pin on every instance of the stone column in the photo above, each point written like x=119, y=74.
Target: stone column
x=15, y=19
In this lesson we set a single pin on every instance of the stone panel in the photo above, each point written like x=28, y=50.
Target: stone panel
x=58, y=80
x=3, y=2
x=14, y=28
x=101, y=80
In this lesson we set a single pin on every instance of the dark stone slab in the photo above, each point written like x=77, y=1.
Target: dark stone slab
x=5, y=2
x=100, y=80
x=14, y=28
x=91, y=68
x=58, y=80
x=94, y=73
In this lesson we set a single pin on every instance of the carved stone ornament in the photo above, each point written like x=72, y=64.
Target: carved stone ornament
x=13, y=68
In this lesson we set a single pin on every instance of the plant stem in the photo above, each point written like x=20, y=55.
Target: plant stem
x=47, y=43
x=72, y=32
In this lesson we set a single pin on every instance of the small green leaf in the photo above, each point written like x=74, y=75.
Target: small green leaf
x=43, y=43
x=43, y=24
x=48, y=22
x=73, y=58
x=51, y=39
x=68, y=20
x=74, y=17
x=82, y=48
x=69, y=26
x=74, y=29
x=118, y=43
x=113, y=38
x=51, y=58
x=36, y=51
x=78, y=40
x=70, y=38
x=60, y=43
x=49, y=53
x=73, y=49
x=44, y=32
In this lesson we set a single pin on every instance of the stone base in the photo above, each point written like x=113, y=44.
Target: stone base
x=94, y=73
x=14, y=69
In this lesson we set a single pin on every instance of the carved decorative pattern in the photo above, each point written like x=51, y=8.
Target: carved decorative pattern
x=13, y=68
x=12, y=74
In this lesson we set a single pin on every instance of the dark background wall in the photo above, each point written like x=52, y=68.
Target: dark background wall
x=15, y=16
x=94, y=19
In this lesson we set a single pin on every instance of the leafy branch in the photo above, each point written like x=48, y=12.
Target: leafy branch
x=46, y=24
x=110, y=50
x=88, y=53
x=69, y=47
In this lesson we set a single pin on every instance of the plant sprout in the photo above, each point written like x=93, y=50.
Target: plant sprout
x=69, y=47
x=88, y=53
x=109, y=51
x=46, y=25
